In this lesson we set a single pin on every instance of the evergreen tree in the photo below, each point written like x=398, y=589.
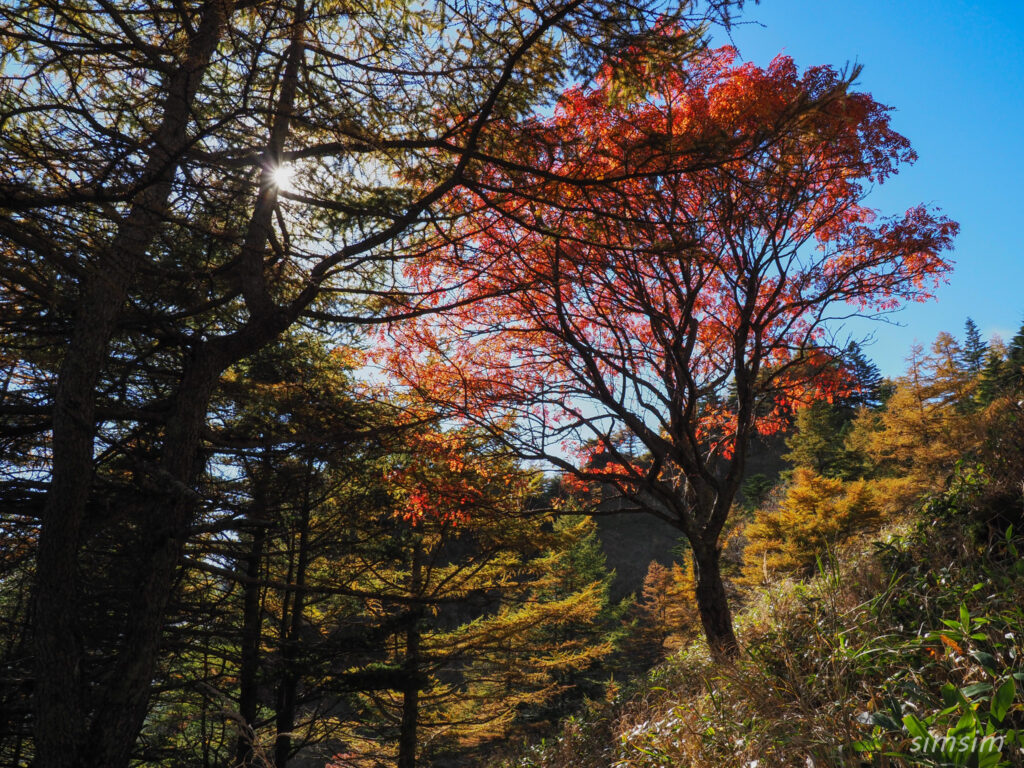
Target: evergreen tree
x=1013, y=373
x=817, y=440
x=993, y=374
x=866, y=378
x=974, y=348
x=152, y=239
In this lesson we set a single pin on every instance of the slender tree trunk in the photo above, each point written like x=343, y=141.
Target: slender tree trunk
x=408, y=736
x=712, y=602
x=251, y=634
x=287, y=696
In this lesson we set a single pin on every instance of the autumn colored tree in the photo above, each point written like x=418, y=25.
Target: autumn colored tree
x=685, y=301
x=487, y=616
x=364, y=582
x=182, y=182
x=815, y=515
x=914, y=443
x=665, y=614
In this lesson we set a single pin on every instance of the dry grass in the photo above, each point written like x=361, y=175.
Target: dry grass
x=830, y=666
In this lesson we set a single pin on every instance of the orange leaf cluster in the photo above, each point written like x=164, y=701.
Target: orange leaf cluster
x=637, y=258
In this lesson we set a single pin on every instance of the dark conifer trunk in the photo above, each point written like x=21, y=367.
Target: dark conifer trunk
x=61, y=699
x=251, y=631
x=407, y=738
x=288, y=689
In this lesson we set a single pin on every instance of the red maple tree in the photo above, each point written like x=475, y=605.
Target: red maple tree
x=658, y=287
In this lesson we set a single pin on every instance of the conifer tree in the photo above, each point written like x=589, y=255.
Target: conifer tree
x=182, y=182
x=463, y=684
x=1013, y=373
x=915, y=442
x=818, y=440
x=993, y=373
x=815, y=515
x=974, y=349
x=866, y=380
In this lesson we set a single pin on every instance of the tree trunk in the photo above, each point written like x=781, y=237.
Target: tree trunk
x=287, y=693
x=121, y=705
x=712, y=602
x=407, y=737
x=61, y=699
x=251, y=634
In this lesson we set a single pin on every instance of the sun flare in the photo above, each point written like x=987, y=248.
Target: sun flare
x=282, y=177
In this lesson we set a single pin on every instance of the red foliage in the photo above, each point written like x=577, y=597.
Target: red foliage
x=441, y=476
x=667, y=264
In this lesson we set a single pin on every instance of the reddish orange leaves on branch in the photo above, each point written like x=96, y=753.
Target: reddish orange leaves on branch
x=669, y=245
x=651, y=275
x=449, y=477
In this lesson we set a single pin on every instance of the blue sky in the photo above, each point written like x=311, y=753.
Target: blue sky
x=954, y=72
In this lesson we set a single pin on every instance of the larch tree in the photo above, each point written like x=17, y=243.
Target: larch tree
x=484, y=619
x=181, y=183
x=682, y=305
x=915, y=441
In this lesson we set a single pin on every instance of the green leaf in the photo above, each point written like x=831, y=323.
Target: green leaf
x=915, y=727
x=965, y=726
x=978, y=689
x=1003, y=699
x=965, y=618
x=883, y=720
x=949, y=695
x=867, y=745
x=987, y=660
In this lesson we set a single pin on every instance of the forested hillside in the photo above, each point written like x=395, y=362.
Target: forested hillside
x=468, y=384
x=881, y=584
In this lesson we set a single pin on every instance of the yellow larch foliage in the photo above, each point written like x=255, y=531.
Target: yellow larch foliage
x=815, y=515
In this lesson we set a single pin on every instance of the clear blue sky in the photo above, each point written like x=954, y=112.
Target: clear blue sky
x=954, y=72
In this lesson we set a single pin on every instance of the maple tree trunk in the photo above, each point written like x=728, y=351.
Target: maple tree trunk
x=712, y=602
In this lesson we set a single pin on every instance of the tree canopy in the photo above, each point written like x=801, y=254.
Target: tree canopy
x=686, y=300
x=183, y=182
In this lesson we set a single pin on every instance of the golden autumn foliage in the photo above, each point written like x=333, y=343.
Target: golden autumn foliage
x=666, y=612
x=924, y=430
x=813, y=517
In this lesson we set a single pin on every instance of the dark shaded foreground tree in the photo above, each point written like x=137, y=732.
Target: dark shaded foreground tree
x=372, y=592
x=671, y=314
x=151, y=239
x=490, y=619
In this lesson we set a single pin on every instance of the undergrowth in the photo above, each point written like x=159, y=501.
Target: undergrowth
x=905, y=652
